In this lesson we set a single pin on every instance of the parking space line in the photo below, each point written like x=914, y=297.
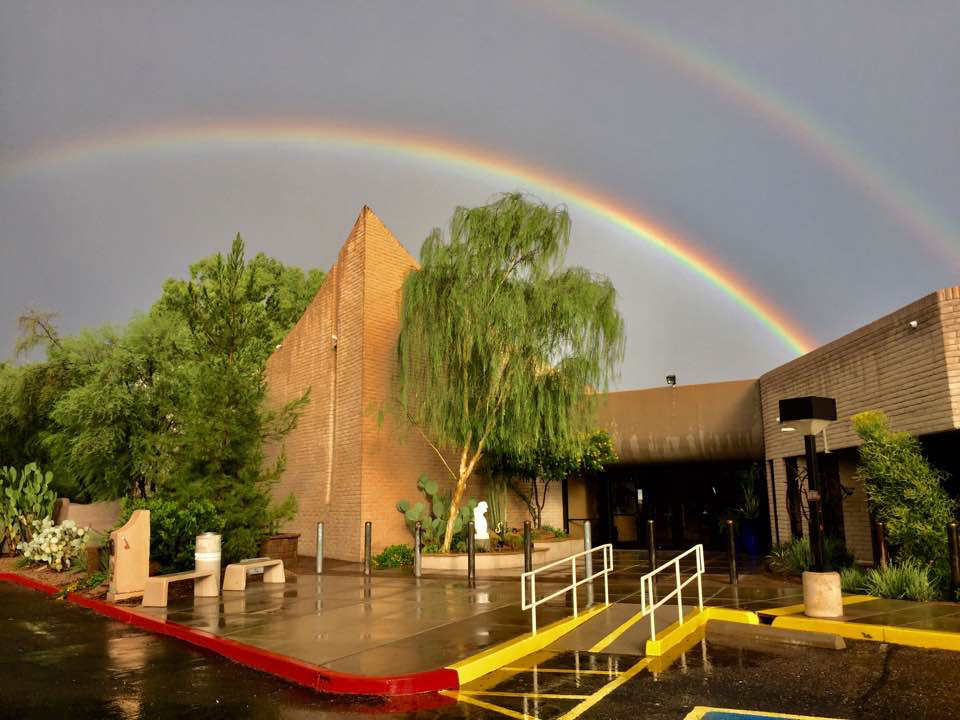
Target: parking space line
x=570, y=671
x=535, y=695
x=460, y=697
x=600, y=694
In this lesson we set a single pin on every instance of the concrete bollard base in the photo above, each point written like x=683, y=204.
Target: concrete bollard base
x=821, y=595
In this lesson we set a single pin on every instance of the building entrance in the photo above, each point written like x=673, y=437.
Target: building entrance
x=689, y=504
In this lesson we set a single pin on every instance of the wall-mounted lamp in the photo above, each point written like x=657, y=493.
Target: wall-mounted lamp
x=671, y=380
x=913, y=324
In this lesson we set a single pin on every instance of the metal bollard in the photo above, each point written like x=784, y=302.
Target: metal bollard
x=367, y=542
x=207, y=559
x=651, y=545
x=880, y=550
x=953, y=547
x=319, y=548
x=471, y=552
x=527, y=547
x=417, y=551
x=588, y=560
x=731, y=552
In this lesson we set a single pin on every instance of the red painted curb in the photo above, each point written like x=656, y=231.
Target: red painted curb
x=296, y=671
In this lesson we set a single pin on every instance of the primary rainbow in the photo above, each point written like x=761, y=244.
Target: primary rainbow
x=841, y=153
x=309, y=137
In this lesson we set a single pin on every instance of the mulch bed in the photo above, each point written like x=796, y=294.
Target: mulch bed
x=45, y=575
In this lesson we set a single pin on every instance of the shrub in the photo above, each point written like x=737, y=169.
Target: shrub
x=56, y=545
x=795, y=557
x=853, y=580
x=25, y=499
x=904, y=490
x=556, y=532
x=394, y=556
x=174, y=528
x=904, y=580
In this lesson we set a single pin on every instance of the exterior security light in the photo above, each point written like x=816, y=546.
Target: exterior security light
x=671, y=380
x=913, y=324
x=807, y=415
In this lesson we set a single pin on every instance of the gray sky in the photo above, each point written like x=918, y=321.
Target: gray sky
x=811, y=149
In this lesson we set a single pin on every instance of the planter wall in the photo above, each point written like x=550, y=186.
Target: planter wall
x=281, y=547
x=543, y=553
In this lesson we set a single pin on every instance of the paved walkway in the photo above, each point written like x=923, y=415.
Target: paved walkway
x=392, y=623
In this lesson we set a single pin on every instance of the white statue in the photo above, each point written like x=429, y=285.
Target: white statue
x=480, y=522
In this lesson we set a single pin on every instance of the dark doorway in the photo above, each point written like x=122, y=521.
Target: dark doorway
x=689, y=503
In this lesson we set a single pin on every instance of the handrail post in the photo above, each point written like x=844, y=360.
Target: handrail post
x=679, y=594
x=608, y=569
x=588, y=560
x=533, y=599
x=573, y=577
x=699, y=576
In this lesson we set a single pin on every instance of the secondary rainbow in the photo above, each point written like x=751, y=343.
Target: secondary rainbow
x=310, y=137
x=847, y=159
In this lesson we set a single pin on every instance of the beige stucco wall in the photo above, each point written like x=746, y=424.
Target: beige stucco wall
x=685, y=423
x=912, y=374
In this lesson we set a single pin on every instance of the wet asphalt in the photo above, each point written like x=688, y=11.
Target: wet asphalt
x=57, y=660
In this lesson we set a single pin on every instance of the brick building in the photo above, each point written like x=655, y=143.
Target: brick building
x=344, y=466
x=686, y=452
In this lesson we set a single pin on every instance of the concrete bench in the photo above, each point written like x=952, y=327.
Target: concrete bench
x=236, y=576
x=155, y=593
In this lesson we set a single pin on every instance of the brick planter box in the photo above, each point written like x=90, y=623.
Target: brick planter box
x=281, y=547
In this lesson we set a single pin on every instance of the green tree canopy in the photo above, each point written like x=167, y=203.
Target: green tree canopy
x=905, y=491
x=501, y=346
x=531, y=474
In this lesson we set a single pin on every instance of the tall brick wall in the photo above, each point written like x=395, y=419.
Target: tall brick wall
x=323, y=451
x=913, y=375
x=345, y=464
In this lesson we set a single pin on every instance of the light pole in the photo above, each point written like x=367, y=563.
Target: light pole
x=810, y=415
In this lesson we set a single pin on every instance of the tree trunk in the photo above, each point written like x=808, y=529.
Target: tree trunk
x=466, y=469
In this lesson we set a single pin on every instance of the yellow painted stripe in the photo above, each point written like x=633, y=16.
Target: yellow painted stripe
x=673, y=634
x=460, y=697
x=538, y=696
x=605, y=642
x=913, y=637
x=698, y=712
x=509, y=652
x=800, y=607
x=568, y=671
x=600, y=694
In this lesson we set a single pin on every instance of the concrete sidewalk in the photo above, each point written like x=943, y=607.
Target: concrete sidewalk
x=392, y=623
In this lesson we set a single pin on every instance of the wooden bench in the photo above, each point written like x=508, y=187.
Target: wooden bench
x=236, y=576
x=155, y=593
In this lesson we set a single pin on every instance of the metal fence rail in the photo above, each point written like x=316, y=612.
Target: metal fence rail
x=649, y=605
x=530, y=601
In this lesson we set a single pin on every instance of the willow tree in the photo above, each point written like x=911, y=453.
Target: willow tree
x=501, y=346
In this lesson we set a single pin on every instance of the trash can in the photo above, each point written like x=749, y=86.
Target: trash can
x=207, y=559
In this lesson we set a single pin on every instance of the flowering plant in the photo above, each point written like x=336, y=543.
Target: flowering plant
x=56, y=545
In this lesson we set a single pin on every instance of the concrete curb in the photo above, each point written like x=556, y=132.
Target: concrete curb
x=295, y=671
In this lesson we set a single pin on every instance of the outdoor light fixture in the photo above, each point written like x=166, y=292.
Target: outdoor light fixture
x=913, y=324
x=811, y=415
x=671, y=380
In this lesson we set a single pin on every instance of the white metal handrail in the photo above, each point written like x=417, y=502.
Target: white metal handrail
x=534, y=601
x=647, y=585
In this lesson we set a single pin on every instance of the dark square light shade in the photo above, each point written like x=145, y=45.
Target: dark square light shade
x=808, y=408
x=808, y=415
